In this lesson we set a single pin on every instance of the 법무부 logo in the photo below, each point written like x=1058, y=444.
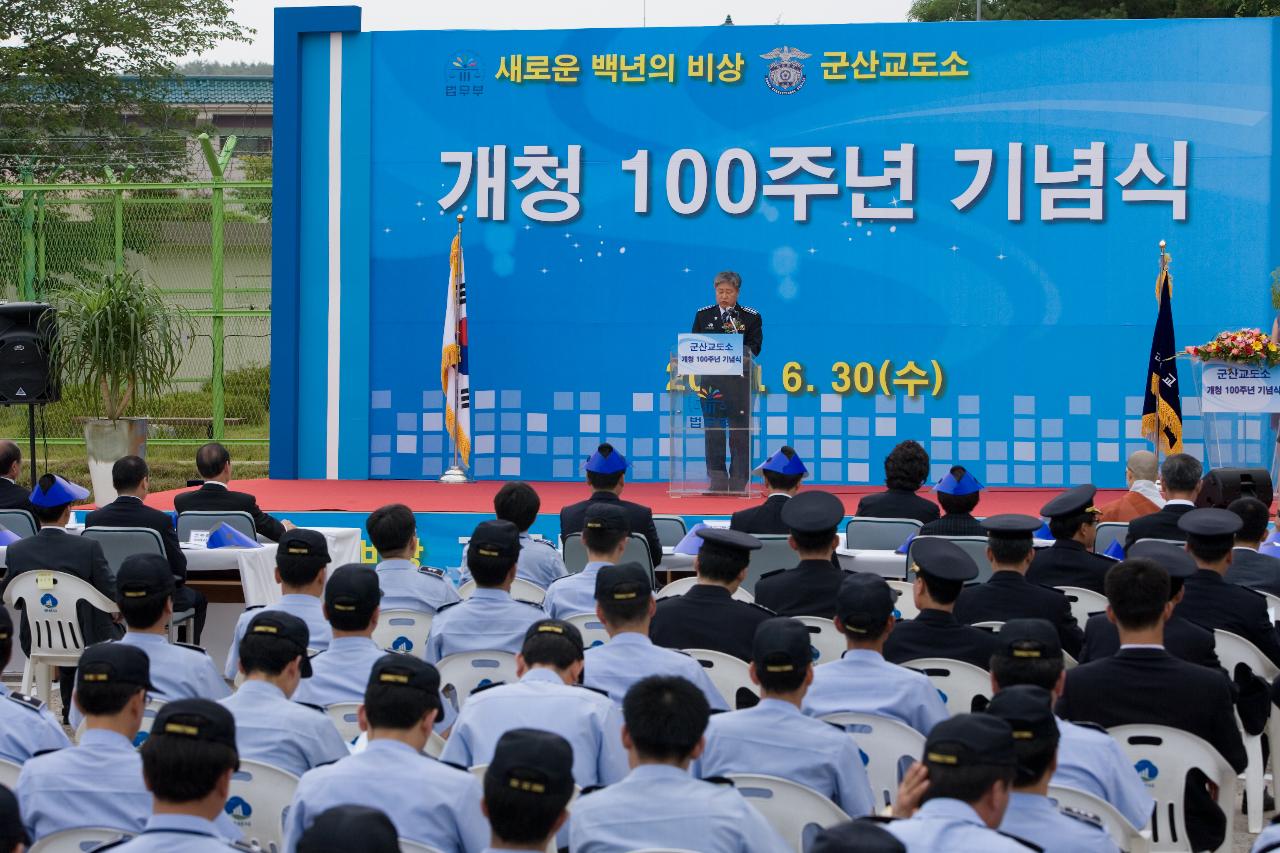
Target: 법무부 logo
x=786, y=72
x=48, y=601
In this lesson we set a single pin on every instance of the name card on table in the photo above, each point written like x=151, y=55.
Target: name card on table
x=709, y=355
x=1239, y=388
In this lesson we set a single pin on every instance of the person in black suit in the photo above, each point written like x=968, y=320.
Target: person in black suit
x=782, y=473
x=606, y=470
x=1070, y=561
x=1008, y=594
x=810, y=588
x=1143, y=683
x=1179, y=483
x=942, y=568
x=12, y=496
x=958, y=494
x=905, y=470
x=1213, y=603
x=1184, y=639
x=131, y=479
x=214, y=464
x=1248, y=566
x=707, y=616
x=725, y=398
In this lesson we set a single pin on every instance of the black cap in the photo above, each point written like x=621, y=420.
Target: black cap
x=864, y=602
x=606, y=516
x=114, y=663
x=1028, y=710
x=1071, y=502
x=301, y=544
x=1208, y=523
x=943, y=559
x=496, y=539
x=730, y=540
x=781, y=644
x=10, y=817
x=623, y=582
x=352, y=588
x=405, y=671
x=6, y=624
x=1011, y=525
x=345, y=828
x=143, y=575
x=1029, y=639
x=556, y=628
x=200, y=719
x=281, y=627
x=857, y=836
x=1174, y=560
x=534, y=762
x=813, y=512
x=971, y=740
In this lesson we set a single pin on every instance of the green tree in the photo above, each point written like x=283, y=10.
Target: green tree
x=1025, y=10
x=213, y=68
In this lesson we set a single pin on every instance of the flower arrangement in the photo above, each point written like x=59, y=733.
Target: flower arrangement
x=1243, y=346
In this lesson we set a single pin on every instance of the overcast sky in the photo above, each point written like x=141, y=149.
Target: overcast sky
x=557, y=14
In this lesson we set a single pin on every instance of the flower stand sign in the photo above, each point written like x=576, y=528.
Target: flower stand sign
x=1240, y=372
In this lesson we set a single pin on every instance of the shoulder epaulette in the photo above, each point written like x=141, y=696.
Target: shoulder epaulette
x=444, y=607
x=1024, y=842
x=591, y=789
x=762, y=607
x=432, y=571
x=719, y=780
x=31, y=702
x=113, y=844
x=319, y=708
x=546, y=542
x=41, y=752
x=593, y=689
x=255, y=607
x=461, y=767
x=535, y=605
x=707, y=308
x=878, y=818
x=483, y=687
x=1083, y=817
x=749, y=310
x=193, y=647
x=772, y=573
x=1087, y=725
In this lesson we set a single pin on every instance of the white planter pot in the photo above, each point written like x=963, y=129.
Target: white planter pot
x=107, y=441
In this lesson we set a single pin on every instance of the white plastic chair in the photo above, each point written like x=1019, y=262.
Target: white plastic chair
x=82, y=838
x=1084, y=602
x=879, y=534
x=1124, y=834
x=345, y=716
x=1162, y=756
x=239, y=520
x=1108, y=532
x=464, y=672
x=883, y=743
x=521, y=590
x=1233, y=649
x=407, y=846
x=403, y=631
x=259, y=798
x=957, y=682
x=905, y=606
x=795, y=812
x=592, y=629
x=1177, y=543
x=50, y=600
x=19, y=522
x=727, y=673
x=826, y=643
x=435, y=745
x=683, y=585
x=9, y=771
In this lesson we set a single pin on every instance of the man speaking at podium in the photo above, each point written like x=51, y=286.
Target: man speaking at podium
x=724, y=398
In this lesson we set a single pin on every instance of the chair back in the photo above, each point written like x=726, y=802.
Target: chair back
x=121, y=542
x=462, y=673
x=521, y=590
x=887, y=748
x=775, y=553
x=729, y=674
x=79, y=840
x=592, y=629
x=407, y=846
x=879, y=534
x=683, y=585
x=957, y=682
x=19, y=522
x=1179, y=543
x=974, y=546
x=795, y=812
x=825, y=642
x=1125, y=835
x=201, y=519
x=346, y=718
x=258, y=801
x=9, y=771
x=905, y=606
x=1084, y=602
x=403, y=631
x=1108, y=532
x=1233, y=649
x=574, y=553
x=671, y=529
x=51, y=600
x=435, y=744
x=1273, y=603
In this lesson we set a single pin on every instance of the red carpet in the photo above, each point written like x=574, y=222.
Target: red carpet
x=428, y=496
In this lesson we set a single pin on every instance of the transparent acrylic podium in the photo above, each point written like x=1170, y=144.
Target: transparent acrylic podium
x=715, y=410
x=1237, y=439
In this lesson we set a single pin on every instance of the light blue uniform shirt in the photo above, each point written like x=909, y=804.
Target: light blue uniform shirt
x=1092, y=761
x=429, y=802
x=1267, y=840
x=340, y=673
x=541, y=700
x=407, y=586
x=573, y=594
x=629, y=657
x=661, y=806
x=27, y=728
x=308, y=608
x=178, y=672
x=864, y=682
x=284, y=734
x=490, y=620
x=166, y=833
x=776, y=739
x=539, y=562
x=1036, y=819
x=953, y=826
x=97, y=783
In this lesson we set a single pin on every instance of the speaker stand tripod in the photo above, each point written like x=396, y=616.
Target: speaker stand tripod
x=31, y=434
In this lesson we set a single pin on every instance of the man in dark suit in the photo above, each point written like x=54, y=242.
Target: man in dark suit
x=905, y=470
x=1008, y=594
x=1070, y=561
x=214, y=464
x=131, y=479
x=1249, y=567
x=782, y=473
x=12, y=496
x=942, y=568
x=725, y=398
x=958, y=494
x=606, y=473
x=1183, y=639
x=1143, y=683
x=1179, y=483
x=810, y=588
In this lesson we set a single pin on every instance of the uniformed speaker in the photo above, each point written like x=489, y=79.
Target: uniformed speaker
x=28, y=332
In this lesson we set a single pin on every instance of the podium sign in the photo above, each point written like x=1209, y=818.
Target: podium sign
x=1238, y=412
x=1239, y=388
x=710, y=401
x=709, y=355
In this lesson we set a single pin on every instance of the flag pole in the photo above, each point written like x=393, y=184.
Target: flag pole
x=1164, y=266
x=456, y=473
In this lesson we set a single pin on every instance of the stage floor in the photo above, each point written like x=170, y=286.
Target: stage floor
x=428, y=496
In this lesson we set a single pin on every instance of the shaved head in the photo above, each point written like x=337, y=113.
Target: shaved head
x=1142, y=465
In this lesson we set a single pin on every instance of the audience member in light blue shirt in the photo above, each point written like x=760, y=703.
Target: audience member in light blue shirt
x=604, y=536
x=341, y=672
x=527, y=785
x=26, y=725
x=405, y=585
x=539, y=563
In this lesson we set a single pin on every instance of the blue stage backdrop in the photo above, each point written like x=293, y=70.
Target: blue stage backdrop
x=950, y=231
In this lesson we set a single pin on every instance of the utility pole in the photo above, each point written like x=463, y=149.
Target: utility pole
x=977, y=10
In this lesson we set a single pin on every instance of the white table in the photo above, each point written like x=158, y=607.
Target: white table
x=257, y=565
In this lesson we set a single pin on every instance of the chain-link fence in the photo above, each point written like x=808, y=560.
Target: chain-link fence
x=208, y=254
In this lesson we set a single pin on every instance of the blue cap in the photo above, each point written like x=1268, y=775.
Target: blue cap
x=59, y=492
x=785, y=461
x=965, y=484
x=606, y=460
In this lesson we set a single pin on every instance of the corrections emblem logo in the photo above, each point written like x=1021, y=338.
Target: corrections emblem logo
x=786, y=72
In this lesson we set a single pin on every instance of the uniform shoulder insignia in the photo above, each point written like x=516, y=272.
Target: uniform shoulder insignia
x=1094, y=726
x=41, y=752
x=431, y=570
x=749, y=310
x=718, y=780
x=546, y=542
x=680, y=652
x=591, y=789
x=761, y=607
x=772, y=573
x=1024, y=842
x=483, y=687
x=593, y=689
x=240, y=845
x=193, y=647
x=878, y=818
x=31, y=702
x=1083, y=817
x=461, y=767
x=254, y=607
x=444, y=607
x=111, y=845
x=319, y=708
x=532, y=604
x=705, y=308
